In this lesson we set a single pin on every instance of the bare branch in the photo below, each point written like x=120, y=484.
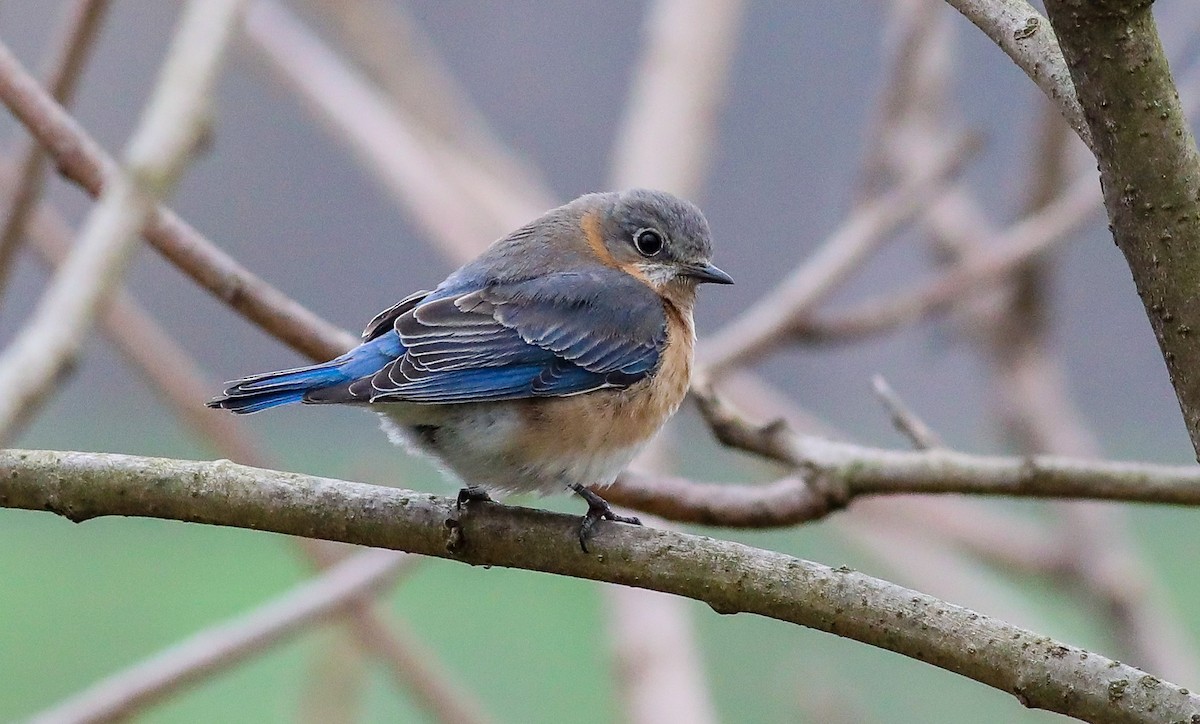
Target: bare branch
x=157, y=152
x=82, y=25
x=1149, y=170
x=837, y=473
x=907, y=422
x=84, y=162
x=831, y=474
x=1041, y=672
x=219, y=647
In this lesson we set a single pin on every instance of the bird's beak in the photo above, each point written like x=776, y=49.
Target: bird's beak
x=707, y=273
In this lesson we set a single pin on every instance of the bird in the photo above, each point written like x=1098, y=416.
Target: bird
x=544, y=365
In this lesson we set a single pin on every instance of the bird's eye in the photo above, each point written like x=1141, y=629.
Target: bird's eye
x=648, y=242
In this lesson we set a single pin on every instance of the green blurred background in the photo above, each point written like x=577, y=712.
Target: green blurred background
x=78, y=602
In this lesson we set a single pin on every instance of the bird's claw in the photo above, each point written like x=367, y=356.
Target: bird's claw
x=471, y=494
x=598, y=510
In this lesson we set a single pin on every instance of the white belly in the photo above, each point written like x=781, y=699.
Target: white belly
x=478, y=445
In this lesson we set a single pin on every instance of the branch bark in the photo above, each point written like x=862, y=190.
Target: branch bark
x=729, y=577
x=1149, y=169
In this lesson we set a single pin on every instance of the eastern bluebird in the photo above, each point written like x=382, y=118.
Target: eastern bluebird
x=546, y=363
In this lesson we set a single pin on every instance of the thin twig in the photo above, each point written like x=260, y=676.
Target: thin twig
x=219, y=647
x=1030, y=237
x=764, y=324
x=906, y=422
x=69, y=56
x=155, y=156
x=1041, y=672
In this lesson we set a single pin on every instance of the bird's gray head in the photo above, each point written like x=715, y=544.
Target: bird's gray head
x=653, y=235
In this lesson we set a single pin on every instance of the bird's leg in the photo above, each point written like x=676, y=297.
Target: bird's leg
x=598, y=509
x=471, y=494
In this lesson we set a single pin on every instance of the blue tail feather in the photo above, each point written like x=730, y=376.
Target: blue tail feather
x=271, y=389
x=256, y=403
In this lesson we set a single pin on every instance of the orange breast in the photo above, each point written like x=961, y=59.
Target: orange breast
x=598, y=422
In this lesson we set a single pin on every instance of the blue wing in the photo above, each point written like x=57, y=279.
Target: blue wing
x=555, y=335
x=475, y=341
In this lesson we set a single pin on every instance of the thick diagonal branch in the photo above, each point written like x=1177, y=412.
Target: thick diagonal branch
x=1149, y=169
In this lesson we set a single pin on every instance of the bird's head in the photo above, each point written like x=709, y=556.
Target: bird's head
x=659, y=238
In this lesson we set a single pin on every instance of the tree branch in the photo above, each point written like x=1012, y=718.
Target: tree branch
x=1149, y=170
x=729, y=577
x=834, y=473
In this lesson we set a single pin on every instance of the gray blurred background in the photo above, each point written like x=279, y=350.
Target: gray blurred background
x=283, y=196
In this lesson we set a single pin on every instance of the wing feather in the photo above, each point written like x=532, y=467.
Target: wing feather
x=554, y=335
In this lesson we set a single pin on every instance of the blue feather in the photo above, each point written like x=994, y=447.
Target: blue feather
x=479, y=341
x=271, y=389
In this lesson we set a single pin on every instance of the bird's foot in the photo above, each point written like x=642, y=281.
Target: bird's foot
x=471, y=494
x=598, y=510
